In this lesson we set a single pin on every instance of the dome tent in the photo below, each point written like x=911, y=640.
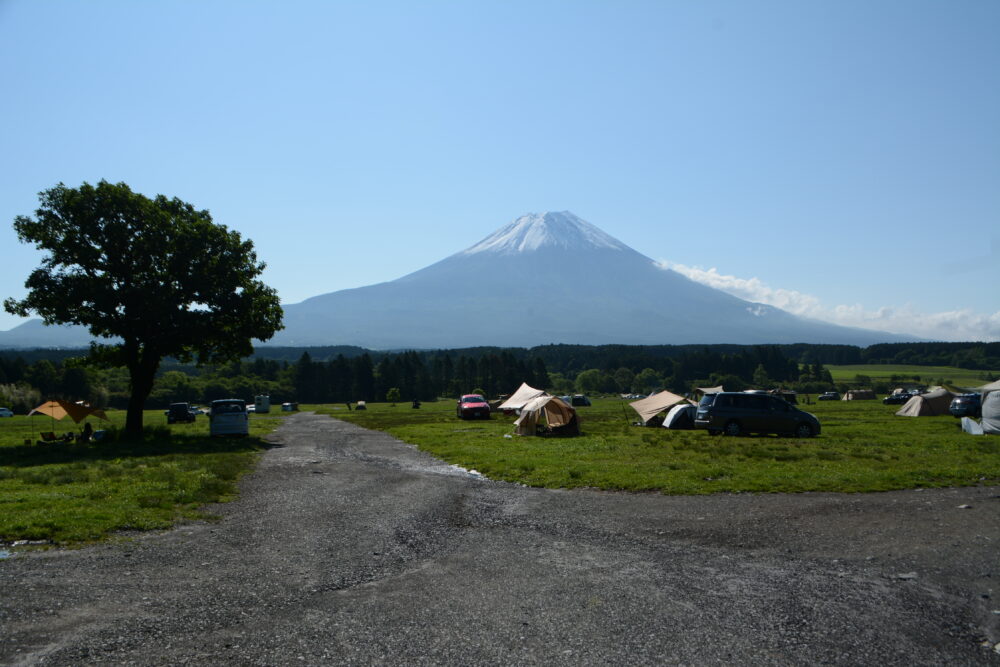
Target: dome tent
x=680, y=417
x=927, y=405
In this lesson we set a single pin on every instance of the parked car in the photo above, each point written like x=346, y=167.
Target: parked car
x=229, y=416
x=967, y=405
x=828, y=396
x=897, y=399
x=473, y=406
x=6, y=412
x=180, y=413
x=580, y=400
x=738, y=413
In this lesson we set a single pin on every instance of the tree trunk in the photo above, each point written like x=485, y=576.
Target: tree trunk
x=141, y=375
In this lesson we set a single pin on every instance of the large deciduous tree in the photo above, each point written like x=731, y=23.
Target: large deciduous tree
x=149, y=278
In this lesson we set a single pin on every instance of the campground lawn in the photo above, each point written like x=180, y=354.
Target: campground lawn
x=863, y=447
x=69, y=492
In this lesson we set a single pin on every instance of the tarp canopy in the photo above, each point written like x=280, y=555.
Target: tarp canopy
x=680, y=417
x=557, y=413
x=927, y=405
x=521, y=397
x=76, y=411
x=654, y=404
x=710, y=390
x=991, y=412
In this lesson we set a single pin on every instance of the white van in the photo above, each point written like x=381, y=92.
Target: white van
x=228, y=416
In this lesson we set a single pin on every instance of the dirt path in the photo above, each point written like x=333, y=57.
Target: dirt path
x=350, y=547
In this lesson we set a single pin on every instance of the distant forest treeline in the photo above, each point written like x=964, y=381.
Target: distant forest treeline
x=343, y=373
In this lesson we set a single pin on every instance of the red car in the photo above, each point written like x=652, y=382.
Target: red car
x=473, y=406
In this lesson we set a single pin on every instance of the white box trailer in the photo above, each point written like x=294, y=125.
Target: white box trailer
x=261, y=404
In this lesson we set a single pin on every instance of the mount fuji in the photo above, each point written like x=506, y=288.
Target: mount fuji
x=543, y=278
x=548, y=278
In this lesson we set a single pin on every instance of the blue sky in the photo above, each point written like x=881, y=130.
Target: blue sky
x=840, y=159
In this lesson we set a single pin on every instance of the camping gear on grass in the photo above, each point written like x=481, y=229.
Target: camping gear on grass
x=58, y=409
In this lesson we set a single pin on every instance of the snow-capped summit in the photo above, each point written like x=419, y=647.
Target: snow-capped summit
x=552, y=229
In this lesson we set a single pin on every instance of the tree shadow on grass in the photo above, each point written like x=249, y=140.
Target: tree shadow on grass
x=156, y=442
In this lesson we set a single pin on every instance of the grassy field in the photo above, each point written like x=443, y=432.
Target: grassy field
x=69, y=492
x=864, y=447
x=957, y=376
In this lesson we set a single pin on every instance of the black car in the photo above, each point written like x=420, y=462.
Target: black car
x=736, y=413
x=897, y=399
x=180, y=413
x=828, y=396
x=967, y=405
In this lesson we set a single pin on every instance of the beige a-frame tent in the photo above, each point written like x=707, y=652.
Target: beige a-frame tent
x=859, y=395
x=559, y=416
x=654, y=404
x=931, y=404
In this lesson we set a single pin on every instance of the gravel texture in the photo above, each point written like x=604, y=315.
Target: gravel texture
x=350, y=547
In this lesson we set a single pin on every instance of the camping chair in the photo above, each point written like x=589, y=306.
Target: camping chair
x=49, y=436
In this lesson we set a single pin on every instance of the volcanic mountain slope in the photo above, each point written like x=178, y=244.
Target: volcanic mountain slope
x=548, y=278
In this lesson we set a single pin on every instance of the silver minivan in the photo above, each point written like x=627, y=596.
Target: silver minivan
x=229, y=416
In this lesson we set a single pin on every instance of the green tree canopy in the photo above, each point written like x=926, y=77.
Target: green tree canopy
x=152, y=277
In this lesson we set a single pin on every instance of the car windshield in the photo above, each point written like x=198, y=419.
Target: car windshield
x=222, y=408
x=473, y=399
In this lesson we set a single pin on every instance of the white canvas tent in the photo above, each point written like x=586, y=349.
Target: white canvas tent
x=991, y=412
x=927, y=405
x=654, y=404
x=992, y=386
x=557, y=413
x=680, y=417
x=521, y=397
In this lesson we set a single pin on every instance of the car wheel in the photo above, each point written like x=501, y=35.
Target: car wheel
x=734, y=429
x=803, y=431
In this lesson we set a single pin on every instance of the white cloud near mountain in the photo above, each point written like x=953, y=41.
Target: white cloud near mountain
x=953, y=325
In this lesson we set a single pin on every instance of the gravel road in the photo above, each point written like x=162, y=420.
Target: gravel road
x=349, y=547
